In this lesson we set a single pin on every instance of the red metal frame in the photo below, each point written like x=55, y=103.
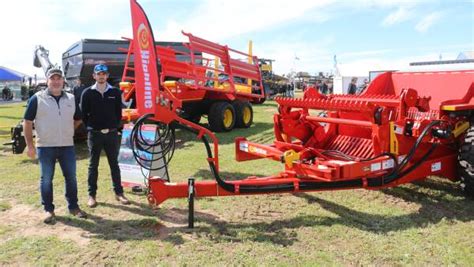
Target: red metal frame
x=194, y=84
x=357, y=145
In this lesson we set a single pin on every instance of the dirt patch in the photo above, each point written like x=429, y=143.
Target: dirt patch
x=28, y=221
x=6, y=152
x=175, y=220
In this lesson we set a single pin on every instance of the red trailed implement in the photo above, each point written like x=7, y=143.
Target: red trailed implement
x=404, y=127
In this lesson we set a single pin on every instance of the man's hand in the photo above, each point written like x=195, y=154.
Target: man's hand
x=28, y=131
x=31, y=152
x=77, y=123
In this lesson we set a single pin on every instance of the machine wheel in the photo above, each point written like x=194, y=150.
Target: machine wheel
x=221, y=117
x=243, y=114
x=466, y=163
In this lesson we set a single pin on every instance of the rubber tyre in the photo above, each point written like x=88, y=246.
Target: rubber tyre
x=243, y=114
x=221, y=117
x=466, y=163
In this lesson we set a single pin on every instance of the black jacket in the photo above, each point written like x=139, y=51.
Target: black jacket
x=101, y=111
x=352, y=89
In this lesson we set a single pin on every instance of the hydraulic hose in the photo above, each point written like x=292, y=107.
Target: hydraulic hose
x=161, y=148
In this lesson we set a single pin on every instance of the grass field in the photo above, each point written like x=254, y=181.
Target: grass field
x=428, y=223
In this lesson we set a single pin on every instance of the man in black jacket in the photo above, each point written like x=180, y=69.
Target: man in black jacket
x=101, y=106
x=352, y=90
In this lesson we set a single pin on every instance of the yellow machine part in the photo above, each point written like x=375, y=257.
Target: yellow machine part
x=125, y=86
x=266, y=67
x=238, y=88
x=290, y=156
x=393, y=139
x=460, y=128
x=170, y=84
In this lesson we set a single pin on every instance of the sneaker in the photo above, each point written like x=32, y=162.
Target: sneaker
x=92, y=203
x=122, y=199
x=50, y=218
x=78, y=213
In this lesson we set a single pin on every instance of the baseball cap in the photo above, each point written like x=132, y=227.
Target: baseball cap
x=101, y=68
x=54, y=71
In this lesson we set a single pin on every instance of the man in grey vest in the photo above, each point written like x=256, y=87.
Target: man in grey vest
x=55, y=116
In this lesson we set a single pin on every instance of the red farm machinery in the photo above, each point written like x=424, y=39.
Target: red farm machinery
x=208, y=79
x=405, y=127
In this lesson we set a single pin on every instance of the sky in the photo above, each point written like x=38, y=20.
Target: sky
x=365, y=35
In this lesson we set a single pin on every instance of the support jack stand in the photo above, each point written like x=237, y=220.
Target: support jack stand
x=191, y=194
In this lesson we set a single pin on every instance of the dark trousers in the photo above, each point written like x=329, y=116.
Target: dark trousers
x=47, y=157
x=97, y=141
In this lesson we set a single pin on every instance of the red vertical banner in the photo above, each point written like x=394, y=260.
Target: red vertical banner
x=145, y=62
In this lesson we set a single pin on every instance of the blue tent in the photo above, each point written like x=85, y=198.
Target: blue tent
x=10, y=75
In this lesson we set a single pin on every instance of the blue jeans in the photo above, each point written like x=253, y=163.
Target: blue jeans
x=47, y=157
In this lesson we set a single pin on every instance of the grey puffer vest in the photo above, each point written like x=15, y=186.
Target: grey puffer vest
x=54, y=124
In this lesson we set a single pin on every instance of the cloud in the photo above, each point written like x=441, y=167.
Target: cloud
x=428, y=21
x=365, y=53
x=400, y=15
x=318, y=56
x=313, y=55
x=219, y=20
x=55, y=25
x=362, y=66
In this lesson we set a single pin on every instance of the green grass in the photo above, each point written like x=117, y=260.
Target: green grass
x=35, y=250
x=427, y=223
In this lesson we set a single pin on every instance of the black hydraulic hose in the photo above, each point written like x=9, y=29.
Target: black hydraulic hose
x=399, y=172
x=393, y=176
x=244, y=189
x=331, y=185
x=289, y=187
x=165, y=141
x=226, y=186
x=418, y=163
x=417, y=143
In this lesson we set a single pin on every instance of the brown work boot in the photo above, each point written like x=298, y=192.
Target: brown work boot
x=50, y=217
x=92, y=203
x=78, y=213
x=122, y=199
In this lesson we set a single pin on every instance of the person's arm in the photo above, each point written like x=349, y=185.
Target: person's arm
x=30, y=115
x=77, y=115
x=77, y=123
x=28, y=131
x=84, y=107
x=118, y=107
